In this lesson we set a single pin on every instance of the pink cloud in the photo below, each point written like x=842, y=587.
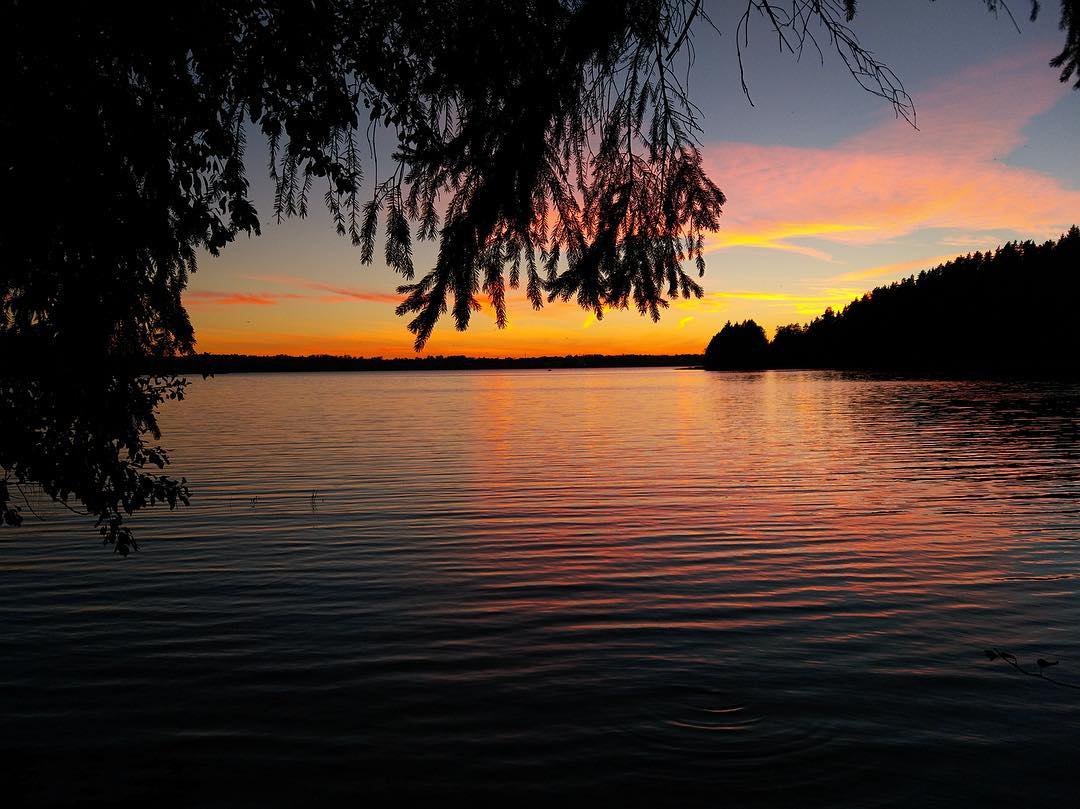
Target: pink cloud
x=898, y=269
x=891, y=180
x=202, y=297
x=350, y=293
x=331, y=294
x=335, y=294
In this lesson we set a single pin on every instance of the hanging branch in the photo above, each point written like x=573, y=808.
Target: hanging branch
x=1041, y=663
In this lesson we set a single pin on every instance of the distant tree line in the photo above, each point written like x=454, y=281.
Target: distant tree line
x=242, y=363
x=1012, y=310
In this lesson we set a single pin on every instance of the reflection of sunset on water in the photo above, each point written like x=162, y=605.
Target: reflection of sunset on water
x=740, y=579
x=776, y=492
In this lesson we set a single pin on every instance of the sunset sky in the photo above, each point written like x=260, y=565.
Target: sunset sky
x=828, y=195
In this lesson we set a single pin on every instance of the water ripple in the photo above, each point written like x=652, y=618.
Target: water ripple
x=640, y=586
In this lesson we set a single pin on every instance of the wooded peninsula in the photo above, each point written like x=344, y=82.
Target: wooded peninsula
x=1011, y=310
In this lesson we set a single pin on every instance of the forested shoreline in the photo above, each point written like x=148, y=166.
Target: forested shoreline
x=1011, y=310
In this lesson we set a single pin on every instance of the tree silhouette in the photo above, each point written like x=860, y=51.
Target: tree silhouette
x=738, y=346
x=83, y=437
x=1006, y=311
x=547, y=143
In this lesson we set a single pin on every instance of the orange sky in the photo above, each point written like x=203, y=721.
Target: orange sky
x=807, y=225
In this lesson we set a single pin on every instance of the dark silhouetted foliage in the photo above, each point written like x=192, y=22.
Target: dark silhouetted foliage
x=1009, y=311
x=737, y=346
x=82, y=436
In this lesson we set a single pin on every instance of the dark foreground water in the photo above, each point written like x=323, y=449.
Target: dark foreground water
x=637, y=586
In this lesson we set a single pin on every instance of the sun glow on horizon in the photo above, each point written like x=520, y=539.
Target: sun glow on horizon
x=805, y=228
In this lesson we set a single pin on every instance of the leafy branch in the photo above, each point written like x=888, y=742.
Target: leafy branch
x=1040, y=671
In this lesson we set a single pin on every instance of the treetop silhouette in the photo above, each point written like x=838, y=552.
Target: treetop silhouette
x=1006, y=311
x=737, y=347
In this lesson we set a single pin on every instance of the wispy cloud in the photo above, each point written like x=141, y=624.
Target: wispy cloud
x=204, y=297
x=802, y=304
x=898, y=269
x=775, y=237
x=336, y=294
x=891, y=180
x=329, y=293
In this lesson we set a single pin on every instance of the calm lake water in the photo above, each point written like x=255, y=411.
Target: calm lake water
x=641, y=586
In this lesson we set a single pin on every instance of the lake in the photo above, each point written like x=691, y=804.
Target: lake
x=652, y=586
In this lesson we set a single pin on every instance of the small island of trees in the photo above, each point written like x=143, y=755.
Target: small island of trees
x=1012, y=310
